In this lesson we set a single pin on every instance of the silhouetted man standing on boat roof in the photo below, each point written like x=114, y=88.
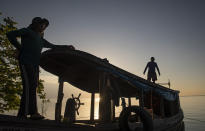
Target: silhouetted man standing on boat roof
x=32, y=42
x=151, y=71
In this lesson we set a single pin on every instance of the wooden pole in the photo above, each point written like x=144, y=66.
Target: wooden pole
x=105, y=99
x=59, y=101
x=129, y=102
x=162, y=107
x=141, y=100
x=112, y=110
x=92, y=107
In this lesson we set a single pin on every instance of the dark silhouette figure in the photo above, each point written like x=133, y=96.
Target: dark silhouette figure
x=151, y=70
x=28, y=54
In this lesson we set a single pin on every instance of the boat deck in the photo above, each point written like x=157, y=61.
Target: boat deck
x=12, y=123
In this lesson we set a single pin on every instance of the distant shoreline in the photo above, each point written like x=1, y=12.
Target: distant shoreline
x=191, y=95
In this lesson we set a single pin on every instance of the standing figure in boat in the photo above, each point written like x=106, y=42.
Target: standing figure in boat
x=151, y=70
x=29, y=49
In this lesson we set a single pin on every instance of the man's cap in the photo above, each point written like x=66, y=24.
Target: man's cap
x=45, y=21
x=39, y=20
x=36, y=20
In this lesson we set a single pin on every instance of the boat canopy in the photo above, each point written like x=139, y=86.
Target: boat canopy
x=82, y=70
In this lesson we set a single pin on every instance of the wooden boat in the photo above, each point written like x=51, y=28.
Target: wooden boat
x=159, y=107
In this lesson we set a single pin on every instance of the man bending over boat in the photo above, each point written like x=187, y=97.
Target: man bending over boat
x=151, y=70
x=32, y=42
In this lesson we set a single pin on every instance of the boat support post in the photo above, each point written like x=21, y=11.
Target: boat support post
x=105, y=98
x=92, y=108
x=129, y=102
x=141, y=100
x=59, y=100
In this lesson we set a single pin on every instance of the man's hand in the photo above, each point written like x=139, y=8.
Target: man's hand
x=70, y=47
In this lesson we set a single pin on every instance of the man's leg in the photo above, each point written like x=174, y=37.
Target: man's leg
x=154, y=78
x=33, y=82
x=23, y=110
x=148, y=77
x=33, y=75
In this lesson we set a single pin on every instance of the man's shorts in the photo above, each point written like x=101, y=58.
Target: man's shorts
x=152, y=76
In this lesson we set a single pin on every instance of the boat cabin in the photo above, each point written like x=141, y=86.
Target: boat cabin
x=95, y=75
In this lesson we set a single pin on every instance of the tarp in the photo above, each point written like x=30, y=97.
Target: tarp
x=82, y=70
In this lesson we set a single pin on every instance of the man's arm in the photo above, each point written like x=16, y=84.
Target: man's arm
x=145, y=68
x=157, y=68
x=12, y=37
x=47, y=44
x=50, y=45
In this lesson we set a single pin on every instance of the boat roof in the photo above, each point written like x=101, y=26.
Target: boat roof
x=82, y=70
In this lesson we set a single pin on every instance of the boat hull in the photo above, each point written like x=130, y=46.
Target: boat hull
x=174, y=123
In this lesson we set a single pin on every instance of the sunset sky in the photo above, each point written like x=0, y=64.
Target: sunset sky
x=127, y=33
